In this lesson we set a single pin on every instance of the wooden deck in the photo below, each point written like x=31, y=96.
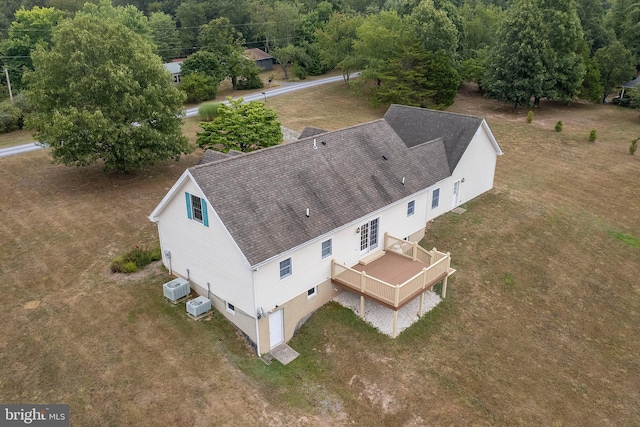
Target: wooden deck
x=392, y=268
x=395, y=276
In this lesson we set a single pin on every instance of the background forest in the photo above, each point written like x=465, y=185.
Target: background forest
x=412, y=52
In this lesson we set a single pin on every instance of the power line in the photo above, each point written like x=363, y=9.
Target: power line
x=300, y=20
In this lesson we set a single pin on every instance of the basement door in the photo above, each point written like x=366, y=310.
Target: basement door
x=369, y=236
x=276, y=328
x=456, y=194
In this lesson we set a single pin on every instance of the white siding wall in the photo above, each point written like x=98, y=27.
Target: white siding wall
x=477, y=167
x=309, y=268
x=208, y=252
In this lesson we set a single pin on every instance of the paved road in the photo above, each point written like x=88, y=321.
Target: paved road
x=191, y=112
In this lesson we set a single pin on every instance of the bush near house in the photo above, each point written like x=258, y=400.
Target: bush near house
x=136, y=258
x=592, y=135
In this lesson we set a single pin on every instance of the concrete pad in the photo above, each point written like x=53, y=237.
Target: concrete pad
x=459, y=210
x=284, y=354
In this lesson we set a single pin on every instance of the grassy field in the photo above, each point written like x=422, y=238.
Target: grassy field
x=541, y=325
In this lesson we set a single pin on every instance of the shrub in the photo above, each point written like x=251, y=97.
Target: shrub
x=10, y=117
x=252, y=81
x=592, y=135
x=558, y=126
x=129, y=267
x=199, y=87
x=136, y=258
x=208, y=111
x=529, y=116
x=299, y=72
x=633, y=147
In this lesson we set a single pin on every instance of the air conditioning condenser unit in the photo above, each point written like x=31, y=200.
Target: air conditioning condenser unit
x=198, y=306
x=176, y=289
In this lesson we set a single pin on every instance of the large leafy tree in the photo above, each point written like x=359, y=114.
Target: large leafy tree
x=624, y=20
x=241, y=127
x=335, y=42
x=31, y=28
x=165, y=35
x=434, y=28
x=378, y=39
x=591, y=14
x=616, y=66
x=517, y=68
x=101, y=93
x=220, y=40
x=205, y=63
x=128, y=15
x=564, y=62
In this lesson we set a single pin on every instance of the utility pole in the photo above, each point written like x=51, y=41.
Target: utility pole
x=6, y=73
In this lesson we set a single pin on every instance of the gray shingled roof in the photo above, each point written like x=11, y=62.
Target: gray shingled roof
x=211, y=156
x=631, y=83
x=417, y=125
x=262, y=196
x=311, y=131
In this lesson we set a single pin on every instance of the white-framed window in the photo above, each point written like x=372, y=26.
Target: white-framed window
x=231, y=308
x=435, y=198
x=285, y=268
x=411, y=208
x=326, y=248
x=312, y=292
x=197, y=209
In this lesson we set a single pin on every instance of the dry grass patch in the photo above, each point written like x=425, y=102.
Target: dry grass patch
x=540, y=326
x=14, y=138
x=327, y=107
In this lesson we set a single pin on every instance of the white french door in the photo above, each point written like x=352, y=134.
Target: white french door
x=369, y=233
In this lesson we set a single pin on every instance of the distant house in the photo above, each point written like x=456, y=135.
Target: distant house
x=174, y=68
x=261, y=58
x=272, y=235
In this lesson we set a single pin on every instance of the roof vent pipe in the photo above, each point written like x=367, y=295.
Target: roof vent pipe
x=403, y=180
x=315, y=145
x=307, y=212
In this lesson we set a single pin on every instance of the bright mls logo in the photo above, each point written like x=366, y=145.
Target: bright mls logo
x=34, y=415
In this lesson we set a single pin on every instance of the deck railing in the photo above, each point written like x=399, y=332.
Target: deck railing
x=395, y=295
x=409, y=249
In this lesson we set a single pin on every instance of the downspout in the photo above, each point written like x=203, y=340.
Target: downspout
x=255, y=304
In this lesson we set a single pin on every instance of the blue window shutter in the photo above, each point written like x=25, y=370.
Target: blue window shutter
x=205, y=217
x=188, y=196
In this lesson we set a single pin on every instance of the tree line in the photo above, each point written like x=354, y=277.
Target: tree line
x=92, y=70
x=415, y=52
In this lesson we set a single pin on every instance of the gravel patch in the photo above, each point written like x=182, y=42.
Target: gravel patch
x=381, y=317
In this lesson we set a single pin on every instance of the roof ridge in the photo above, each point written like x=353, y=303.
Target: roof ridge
x=283, y=145
x=437, y=111
x=438, y=139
